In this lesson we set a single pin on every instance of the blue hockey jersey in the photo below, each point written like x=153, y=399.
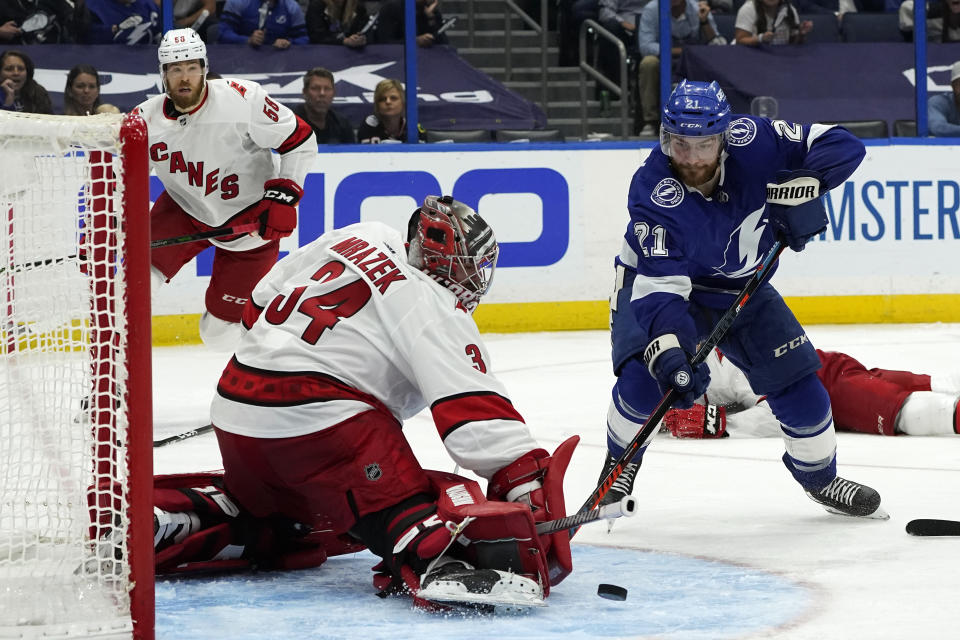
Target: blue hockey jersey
x=686, y=247
x=137, y=22
x=282, y=19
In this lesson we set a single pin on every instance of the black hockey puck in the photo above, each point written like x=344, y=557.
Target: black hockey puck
x=611, y=592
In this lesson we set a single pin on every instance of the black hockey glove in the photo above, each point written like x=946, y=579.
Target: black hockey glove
x=796, y=210
x=669, y=365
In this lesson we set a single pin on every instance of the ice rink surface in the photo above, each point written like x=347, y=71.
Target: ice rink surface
x=725, y=544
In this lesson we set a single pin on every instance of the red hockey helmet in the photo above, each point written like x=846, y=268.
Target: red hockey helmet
x=451, y=243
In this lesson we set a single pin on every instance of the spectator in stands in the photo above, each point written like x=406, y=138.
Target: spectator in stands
x=388, y=123
x=18, y=90
x=328, y=125
x=337, y=22
x=943, y=109
x=390, y=23
x=619, y=17
x=42, y=21
x=769, y=22
x=81, y=95
x=943, y=21
x=199, y=15
x=278, y=23
x=123, y=22
x=691, y=22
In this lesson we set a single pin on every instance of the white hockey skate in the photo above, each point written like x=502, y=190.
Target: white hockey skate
x=848, y=498
x=455, y=583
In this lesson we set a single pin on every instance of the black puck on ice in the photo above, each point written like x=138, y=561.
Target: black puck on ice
x=611, y=592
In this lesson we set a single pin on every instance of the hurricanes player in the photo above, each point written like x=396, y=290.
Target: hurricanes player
x=211, y=144
x=879, y=401
x=347, y=337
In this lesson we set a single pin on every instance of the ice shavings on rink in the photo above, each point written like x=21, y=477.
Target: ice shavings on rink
x=669, y=596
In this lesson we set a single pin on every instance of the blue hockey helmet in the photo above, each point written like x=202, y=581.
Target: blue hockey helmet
x=694, y=123
x=696, y=109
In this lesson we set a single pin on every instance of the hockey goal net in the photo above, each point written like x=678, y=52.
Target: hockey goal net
x=75, y=409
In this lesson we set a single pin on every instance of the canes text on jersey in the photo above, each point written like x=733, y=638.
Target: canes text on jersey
x=210, y=182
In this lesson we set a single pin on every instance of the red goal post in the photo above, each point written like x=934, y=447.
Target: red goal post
x=76, y=466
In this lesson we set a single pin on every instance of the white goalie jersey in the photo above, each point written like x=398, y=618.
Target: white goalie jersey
x=345, y=325
x=214, y=160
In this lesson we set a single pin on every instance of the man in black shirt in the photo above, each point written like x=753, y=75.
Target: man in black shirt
x=329, y=126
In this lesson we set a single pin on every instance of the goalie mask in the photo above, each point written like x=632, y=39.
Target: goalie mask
x=452, y=244
x=180, y=45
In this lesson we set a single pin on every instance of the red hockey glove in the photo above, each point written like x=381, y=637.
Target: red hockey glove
x=537, y=479
x=278, y=216
x=699, y=421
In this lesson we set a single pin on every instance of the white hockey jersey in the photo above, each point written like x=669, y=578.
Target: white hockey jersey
x=345, y=324
x=748, y=414
x=214, y=160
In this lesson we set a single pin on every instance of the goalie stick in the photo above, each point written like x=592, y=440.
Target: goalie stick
x=933, y=527
x=205, y=235
x=653, y=422
x=162, y=442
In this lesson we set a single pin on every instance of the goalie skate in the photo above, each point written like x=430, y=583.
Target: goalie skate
x=459, y=585
x=849, y=498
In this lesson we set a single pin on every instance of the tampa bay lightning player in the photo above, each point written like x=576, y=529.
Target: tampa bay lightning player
x=705, y=208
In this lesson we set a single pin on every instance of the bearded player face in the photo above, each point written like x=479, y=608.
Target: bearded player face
x=185, y=83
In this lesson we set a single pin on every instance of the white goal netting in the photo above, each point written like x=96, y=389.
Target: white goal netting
x=64, y=374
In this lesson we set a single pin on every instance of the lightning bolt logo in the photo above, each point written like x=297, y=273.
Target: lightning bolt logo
x=746, y=239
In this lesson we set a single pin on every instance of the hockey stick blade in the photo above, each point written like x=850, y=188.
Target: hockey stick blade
x=933, y=527
x=183, y=436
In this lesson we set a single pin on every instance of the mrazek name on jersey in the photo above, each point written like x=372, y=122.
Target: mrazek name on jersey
x=375, y=264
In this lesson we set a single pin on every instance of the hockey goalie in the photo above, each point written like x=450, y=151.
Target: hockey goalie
x=345, y=339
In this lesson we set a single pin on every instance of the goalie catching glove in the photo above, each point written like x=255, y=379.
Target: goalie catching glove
x=277, y=210
x=796, y=210
x=698, y=421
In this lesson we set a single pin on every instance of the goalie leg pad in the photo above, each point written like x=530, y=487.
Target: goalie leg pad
x=540, y=477
x=198, y=526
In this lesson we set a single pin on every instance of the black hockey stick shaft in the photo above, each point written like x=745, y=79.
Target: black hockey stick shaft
x=206, y=235
x=667, y=401
x=627, y=507
x=183, y=436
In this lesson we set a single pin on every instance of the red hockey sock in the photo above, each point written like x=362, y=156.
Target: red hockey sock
x=956, y=419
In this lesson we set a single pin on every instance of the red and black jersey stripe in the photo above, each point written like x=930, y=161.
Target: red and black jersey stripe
x=259, y=387
x=300, y=135
x=452, y=412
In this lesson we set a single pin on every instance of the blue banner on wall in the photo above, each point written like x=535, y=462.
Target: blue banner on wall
x=452, y=94
x=823, y=82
